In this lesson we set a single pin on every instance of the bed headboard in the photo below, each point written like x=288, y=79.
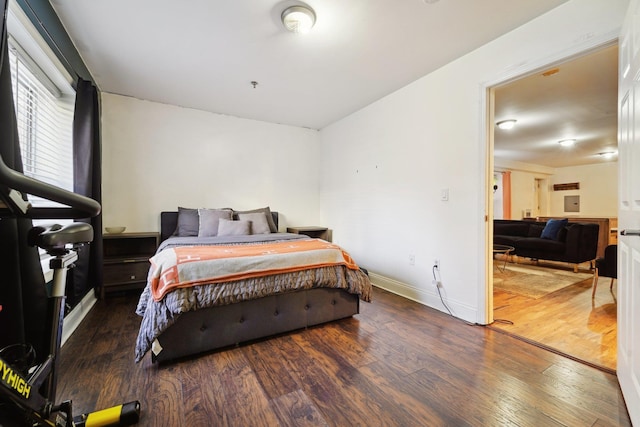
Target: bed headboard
x=169, y=222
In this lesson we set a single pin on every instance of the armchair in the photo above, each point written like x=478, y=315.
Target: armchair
x=606, y=266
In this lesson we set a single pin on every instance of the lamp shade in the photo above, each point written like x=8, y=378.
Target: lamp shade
x=298, y=19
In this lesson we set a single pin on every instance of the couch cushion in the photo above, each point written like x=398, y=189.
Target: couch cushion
x=506, y=240
x=535, y=230
x=553, y=227
x=540, y=244
x=562, y=234
x=511, y=229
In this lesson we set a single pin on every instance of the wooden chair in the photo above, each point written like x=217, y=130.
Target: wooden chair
x=606, y=267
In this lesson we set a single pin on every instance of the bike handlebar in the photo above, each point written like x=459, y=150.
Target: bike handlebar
x=77, y=206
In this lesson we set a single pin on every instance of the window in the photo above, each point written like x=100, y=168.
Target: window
x=44, y=103
x=45, y=123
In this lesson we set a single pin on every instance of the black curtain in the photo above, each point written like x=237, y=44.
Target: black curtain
x=23, y=299
x=87, y=172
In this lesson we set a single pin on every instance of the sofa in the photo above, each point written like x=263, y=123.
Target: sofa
x=554, y=240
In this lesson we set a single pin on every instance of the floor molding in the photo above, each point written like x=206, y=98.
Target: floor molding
x=425, y=296
x=75, y=317
x=553, y=350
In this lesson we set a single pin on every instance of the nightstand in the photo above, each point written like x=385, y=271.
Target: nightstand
x=312, y=231
x=126, y=260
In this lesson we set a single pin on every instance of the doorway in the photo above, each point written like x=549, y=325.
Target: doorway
x=536, y=159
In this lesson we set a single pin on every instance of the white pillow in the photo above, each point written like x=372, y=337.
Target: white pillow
x=227, y=227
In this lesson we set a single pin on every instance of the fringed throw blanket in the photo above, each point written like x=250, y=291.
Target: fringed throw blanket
x=189, y=266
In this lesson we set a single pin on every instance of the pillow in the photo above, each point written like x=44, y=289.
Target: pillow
x=227, y=227
x=188, y=222
x=209, y=219
x=267, y=212
x=553, y=227
x=258, y=220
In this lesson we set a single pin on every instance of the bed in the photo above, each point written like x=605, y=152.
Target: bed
x=211, y=313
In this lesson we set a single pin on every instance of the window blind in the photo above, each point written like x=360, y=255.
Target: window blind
x=45, y=126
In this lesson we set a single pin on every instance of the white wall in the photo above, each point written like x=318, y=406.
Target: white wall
x=157, y=157
x=598, y=190
x=383, y=167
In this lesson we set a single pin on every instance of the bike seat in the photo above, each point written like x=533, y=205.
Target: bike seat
x=56, y=236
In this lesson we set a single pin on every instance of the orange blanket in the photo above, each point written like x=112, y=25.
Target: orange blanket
x=195, y=265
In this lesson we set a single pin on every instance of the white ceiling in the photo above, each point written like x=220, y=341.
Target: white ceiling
x=203, y=54
x=578, y=102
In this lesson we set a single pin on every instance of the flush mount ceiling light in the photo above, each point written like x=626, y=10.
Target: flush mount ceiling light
x=298, y=19
x=506, y=124
x=567, y=142
x=608, y=154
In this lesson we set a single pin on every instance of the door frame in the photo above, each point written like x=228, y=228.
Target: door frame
x=487, y=120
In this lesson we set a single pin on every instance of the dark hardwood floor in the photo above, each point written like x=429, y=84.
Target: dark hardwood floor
x=397, y=363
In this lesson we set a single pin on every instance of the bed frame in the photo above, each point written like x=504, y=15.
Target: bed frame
x=218, y=327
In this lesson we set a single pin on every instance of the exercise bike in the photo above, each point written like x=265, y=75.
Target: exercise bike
x=20, y=383
x=28, y=391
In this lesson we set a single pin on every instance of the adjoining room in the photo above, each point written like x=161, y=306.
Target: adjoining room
x=555, y=162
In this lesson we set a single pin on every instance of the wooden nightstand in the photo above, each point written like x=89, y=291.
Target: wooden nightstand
x=126, y=260
x=312, y=231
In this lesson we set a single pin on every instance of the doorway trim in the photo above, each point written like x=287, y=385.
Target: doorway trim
x=485, y=250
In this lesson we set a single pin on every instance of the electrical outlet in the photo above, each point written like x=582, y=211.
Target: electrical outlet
x=412, y=259
x=436, y=263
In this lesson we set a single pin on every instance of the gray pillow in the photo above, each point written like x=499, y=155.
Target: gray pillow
x=267, y=212
x=188, y=222
x=209, y=219
x=227, y=227
x=258, y=220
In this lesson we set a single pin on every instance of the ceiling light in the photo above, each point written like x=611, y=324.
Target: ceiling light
x=298, y=19
x=506, y=124
x=608, y=154
x=567, y=142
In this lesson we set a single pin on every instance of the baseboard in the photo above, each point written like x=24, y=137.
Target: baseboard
x=425, y=297
x=398, y=288
x=75, y=317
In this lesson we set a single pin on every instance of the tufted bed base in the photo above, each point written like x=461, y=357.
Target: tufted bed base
x=250, y=320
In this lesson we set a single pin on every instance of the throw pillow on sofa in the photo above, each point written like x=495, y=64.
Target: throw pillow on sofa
x=553, y=227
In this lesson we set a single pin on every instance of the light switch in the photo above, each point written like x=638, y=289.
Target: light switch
x=444, y=194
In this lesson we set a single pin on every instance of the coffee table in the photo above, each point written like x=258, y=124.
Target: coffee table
x=506, y=251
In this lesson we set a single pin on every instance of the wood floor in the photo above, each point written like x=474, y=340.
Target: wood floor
x=567, y=320
x=397, y=363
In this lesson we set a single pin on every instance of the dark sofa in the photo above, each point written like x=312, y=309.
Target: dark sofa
x=575, y=242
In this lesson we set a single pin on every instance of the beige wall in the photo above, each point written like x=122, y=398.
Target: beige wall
x=598, y=190
x=522, y=193
x=158, y=157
